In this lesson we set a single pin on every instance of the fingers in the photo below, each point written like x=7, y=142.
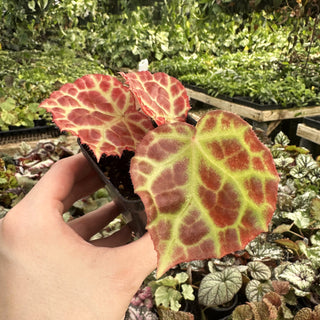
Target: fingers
x=91, y=223
x=67, y=181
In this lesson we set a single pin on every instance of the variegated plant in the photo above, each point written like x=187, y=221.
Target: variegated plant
x=207, y=189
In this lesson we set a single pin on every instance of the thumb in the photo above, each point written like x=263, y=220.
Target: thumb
x=142, y=255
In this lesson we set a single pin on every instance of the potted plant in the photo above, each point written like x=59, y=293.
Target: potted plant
x=207, y=189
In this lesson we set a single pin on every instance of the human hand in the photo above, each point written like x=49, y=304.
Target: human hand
x=50, y=270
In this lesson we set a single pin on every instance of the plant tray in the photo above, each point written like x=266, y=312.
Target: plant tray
x=245, y=101
x=313, y=122
x=251, y=112
x=309, y=133
x=28, y=134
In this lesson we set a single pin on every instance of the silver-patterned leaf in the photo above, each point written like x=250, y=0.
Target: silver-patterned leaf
x=298, y=172
x=306, y=161
x=281, y=139
x=255, y=290
x=219, y=287
x=300, y=275
x=259, y=270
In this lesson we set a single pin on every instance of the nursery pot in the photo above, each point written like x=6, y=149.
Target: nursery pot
x=132, y=210
x=222, y=312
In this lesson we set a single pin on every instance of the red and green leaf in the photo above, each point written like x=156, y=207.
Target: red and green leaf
x=208, y=190
x=161, y=97
x=101, y=111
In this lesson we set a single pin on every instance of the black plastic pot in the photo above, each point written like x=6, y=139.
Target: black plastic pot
x=132, y=210
x=222, y=312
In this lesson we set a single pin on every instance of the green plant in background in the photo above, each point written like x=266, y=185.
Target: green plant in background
x=8, y=182
x=260, y=77
x=29, y=76
x=124, y=32
x=168, y=291
x=13, y=115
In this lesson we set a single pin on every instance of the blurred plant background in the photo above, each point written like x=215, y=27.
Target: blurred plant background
x=225, y=46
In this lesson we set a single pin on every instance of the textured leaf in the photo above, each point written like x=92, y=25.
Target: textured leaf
x=300, y=275
x=208, y=190
x=259, y=270
x=260, y=249
x=168, y=314
x=161, y=97
x=306, y=161
x=298, y=172
x=281, y=287
x=255, y=290
x=101, y=111
x=281, y=139
x=242, y=312
x=187, y=292
x=305, y=314
x=219, y=287
x=315, y=208
x=168, y=297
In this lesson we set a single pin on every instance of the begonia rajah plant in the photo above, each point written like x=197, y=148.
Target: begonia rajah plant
x=207, y=189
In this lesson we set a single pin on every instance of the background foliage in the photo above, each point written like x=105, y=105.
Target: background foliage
x=122, y=32
x=47, y=42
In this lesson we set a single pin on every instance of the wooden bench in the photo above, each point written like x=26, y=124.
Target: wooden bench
x=308, y=133
x=272, y=117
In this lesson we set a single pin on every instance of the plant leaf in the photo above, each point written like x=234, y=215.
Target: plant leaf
x=168, y=297
x=306, y=162
x=208, y=190
x=315, y=208
x=282, y=228
x=289, y=244
x=161, y=97
x=101, y=111
x=187, y=292
x=259, y=270
x=255, y=290
x=260, y=249
x=308, y=314
x=281, y=139
x=219, y=287
x=168, y=314
x=300, y=275
x=181, y=277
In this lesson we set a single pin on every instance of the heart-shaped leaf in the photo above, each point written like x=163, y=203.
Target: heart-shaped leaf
x=255, y=290
x=208, y=190
x=101, y=111
x=161, y=97
x=219, y=287
x=259, y=270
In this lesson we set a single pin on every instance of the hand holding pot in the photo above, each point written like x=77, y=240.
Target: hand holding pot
x=50, y=270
